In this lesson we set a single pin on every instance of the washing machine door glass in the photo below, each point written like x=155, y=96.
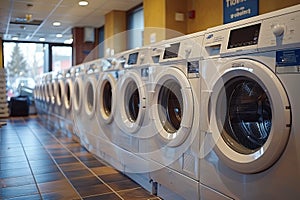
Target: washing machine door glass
x=59, y=92
x=248, y=118
x=68, y=94
x=77, y=91
x=133, y=99
x=107, y=98
x=171, y=106
x=90, y=98
x=173, y=109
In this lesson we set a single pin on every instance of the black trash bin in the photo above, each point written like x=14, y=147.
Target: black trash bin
x=19, y=106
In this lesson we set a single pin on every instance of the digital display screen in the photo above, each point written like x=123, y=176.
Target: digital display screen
x=171, y=51
x=245, y=36
x=132, y=59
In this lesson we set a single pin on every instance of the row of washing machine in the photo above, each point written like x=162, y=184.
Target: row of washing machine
x=210, y=115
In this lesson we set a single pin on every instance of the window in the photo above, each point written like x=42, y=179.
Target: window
x=23, y=62
x=135, y=28
x=61, y=58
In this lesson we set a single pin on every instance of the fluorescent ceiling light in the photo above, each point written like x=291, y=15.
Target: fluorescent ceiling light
x=42, y=39
x=56, y=24
x=83, y=3
x=15, y=38
x=69, y=41
x=59, y=35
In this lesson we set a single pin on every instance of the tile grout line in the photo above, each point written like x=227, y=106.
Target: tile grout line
x=81, y=163
x=55, y=160
x=33, y=176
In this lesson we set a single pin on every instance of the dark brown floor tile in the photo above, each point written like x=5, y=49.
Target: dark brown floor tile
x=49, y=187
x=113, y=177
x=18, y=181
x=136, y=194
x=104, y=170
x=66, y=160
x=93, y=163
x=49, y=177
x=41, y=163
x=72, y=167
x=15, y=173
x=39, y=157
x=44, y=170
x=61, y=195
x=85, y=181
x=78, y=173
x=33, y=149
x=9, y=159
x=24, y=190
x=123, y=185
x=88, y=157
x=108, y=196
x=16, y=165
x=93, y=190
x=77, y=149
x=60, y=153
x=29, y=197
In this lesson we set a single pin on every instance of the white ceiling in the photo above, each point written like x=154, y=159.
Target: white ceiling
x=68, y=12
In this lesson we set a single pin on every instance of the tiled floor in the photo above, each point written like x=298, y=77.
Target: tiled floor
x=38, y=164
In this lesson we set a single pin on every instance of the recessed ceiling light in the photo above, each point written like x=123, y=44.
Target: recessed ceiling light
x=83, y=3
x=14, y=38
x=59, y=35
x=56, y=24
x=42, y=39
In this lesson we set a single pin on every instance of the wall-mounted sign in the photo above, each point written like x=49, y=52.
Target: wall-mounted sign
x=234, y=10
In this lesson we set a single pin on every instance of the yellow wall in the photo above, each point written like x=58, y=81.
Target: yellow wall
x=173, y=7
x=272, y=5
x=154, y=20
x=114, y=31
x=209, y=13
x=159, y=19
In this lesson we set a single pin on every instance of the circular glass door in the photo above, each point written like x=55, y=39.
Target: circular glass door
x=173, y=108
x=107, y=97
x=133, y=103
x=68, y=94
x=60, y=92
x=250, y=117
x=90, y=97
x=77, y=94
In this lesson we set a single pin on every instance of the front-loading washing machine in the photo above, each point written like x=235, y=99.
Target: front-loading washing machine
x=86, y=120
x=130, y=112
x=59, y=109
x=250, y=78
x=172, y=145
x=77, y=99
x=132, y=116
x=67, y=101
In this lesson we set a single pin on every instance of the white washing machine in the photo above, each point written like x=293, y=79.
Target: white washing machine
x=107, y=98
x=251, y=73
x=77, y=99
x=87, y=122
x=172, y=145
x=59, y=109
x=132, y=117
x=67, y=101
